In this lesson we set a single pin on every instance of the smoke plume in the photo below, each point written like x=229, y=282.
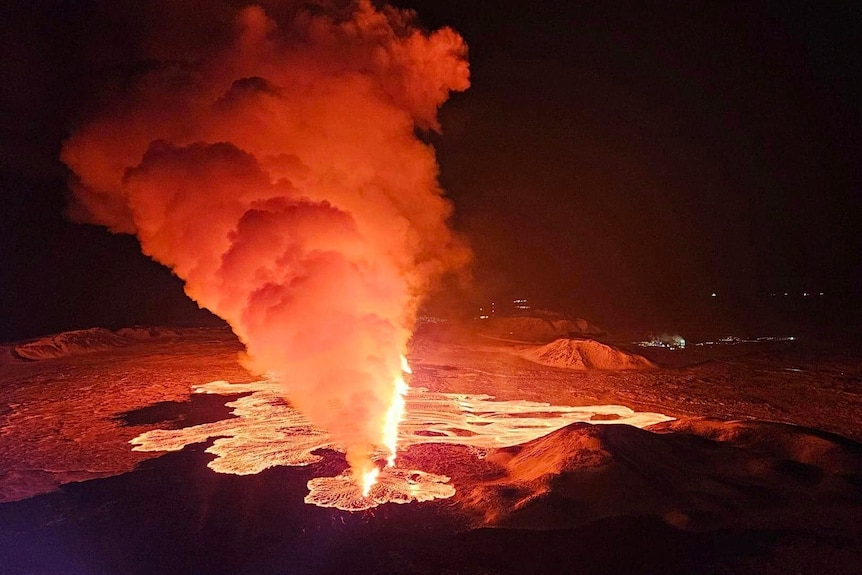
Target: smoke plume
x=268, y=156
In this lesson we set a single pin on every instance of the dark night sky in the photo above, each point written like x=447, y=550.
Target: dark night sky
x=610, y=159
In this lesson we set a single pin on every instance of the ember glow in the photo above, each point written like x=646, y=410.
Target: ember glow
x=267, y=432
x=278, y=173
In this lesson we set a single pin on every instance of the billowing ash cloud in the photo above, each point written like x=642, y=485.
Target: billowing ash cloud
x=272, y=164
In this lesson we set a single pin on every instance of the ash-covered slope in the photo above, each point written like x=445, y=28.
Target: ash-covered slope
x=705, y=475
x=583, y=354
x=69, y=343
x=83, y=341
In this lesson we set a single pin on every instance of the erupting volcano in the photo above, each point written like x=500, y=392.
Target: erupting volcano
x=242, y=328
x=273, y=165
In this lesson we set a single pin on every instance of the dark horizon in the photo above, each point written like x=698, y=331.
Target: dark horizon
x=616, y=162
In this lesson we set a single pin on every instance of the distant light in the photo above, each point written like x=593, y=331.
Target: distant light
x=714, y=294
x=671, y=342
x=821, y=293
x=785, y=293
x=805, y=294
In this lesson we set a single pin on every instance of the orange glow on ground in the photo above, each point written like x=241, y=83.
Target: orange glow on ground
x=266, y=432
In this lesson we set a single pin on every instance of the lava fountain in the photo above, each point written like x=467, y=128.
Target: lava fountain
x=394, y=415
x=269, y=157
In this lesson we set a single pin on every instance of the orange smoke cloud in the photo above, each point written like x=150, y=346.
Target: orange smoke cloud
x=278, y=173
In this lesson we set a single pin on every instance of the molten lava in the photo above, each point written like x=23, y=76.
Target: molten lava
x=266, y=432
x=369, y=478
x=396, y=413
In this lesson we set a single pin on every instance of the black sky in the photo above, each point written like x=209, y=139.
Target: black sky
x=609, y=159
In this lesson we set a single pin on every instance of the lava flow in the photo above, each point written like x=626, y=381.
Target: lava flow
x=265, y=432
x=273, y=164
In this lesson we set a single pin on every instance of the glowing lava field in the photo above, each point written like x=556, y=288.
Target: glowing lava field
x=152, y=451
